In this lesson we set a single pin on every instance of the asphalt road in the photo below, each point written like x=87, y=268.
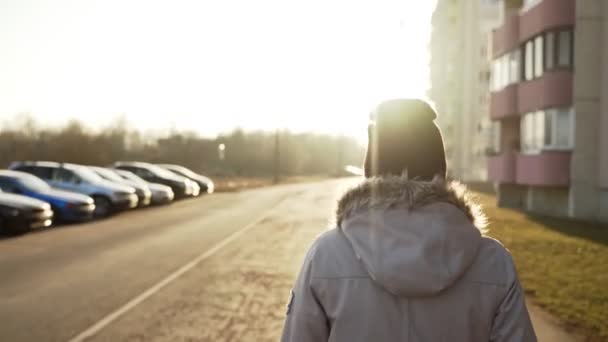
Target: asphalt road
x=217, y=268
x=56, y=283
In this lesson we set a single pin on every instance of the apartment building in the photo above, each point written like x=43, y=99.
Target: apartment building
x=549, y=107
x=460, y=68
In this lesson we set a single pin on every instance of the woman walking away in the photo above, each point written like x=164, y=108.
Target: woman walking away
x=408, y=260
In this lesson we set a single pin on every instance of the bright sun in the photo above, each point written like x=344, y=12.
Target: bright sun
x=211, y=66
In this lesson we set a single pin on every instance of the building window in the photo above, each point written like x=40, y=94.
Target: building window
x=538, y=56
x=562, y=124
x=564, y=49
x=506, y=70
x=514, y=66
x=529, y=61
x=558, y=49
x=532, y=132
x=527, y=136
x=550, y=50
x=538, y=130
x=506, y=79
x=547, y=130
x=499, y=78
x=496, y=75
x=546, y=51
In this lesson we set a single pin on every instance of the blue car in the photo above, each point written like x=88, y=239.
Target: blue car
x=68, y=206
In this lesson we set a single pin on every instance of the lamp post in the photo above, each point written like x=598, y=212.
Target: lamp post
x=221, y=153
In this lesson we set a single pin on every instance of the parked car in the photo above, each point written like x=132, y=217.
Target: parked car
x=20, y=214
x=196, y=189
x=161, y=194
x=142, y=191
x=108, y=197
x=67, y=206
x=204, y=183
x=181, y=186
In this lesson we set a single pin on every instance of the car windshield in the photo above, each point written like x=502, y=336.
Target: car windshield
x=162, y=172
x=33, y=183
x=131, y=176
x=182, y=171
x=87, y=174
x=108, y=174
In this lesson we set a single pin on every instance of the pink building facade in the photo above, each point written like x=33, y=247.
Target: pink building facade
x=549, y=107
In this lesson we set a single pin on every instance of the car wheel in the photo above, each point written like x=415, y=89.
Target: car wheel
x=7, y=230
x=103, y=206
x=58, y=216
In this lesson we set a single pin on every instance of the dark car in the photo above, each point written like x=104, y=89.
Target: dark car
x=161, y=194
x=182, y=187
x=141, y=190
x=203, y=182
x=67, y=206
x=20, y=214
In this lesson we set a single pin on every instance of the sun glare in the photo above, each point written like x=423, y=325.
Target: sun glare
x=211, y=66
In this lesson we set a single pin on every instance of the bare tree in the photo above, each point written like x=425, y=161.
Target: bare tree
x=248, y=153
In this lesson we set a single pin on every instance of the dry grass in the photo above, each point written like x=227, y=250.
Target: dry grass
x=563, y=265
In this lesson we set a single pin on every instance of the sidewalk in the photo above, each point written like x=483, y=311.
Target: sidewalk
x=547, y=328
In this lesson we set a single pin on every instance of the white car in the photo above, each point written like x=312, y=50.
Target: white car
x=109, y=197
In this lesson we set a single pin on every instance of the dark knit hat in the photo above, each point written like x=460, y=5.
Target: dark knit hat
x=403, y=139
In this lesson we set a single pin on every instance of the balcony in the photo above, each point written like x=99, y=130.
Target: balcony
x=553, y=89
x=501, y=168
x=506, y=37
x=546, y=15
x=519, y=27
x=549, y=168
x=503, y=103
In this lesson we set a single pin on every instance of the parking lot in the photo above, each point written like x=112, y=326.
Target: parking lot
x=37, y=194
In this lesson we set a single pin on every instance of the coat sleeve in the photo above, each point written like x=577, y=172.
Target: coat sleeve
x=306, y=320
x=512, y=321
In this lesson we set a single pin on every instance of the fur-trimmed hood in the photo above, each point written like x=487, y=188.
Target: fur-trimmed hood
x=400, y=192
x=413, y=237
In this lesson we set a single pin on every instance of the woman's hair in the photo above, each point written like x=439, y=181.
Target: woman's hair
x=403, y=139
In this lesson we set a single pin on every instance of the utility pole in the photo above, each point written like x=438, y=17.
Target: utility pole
x=277, y=157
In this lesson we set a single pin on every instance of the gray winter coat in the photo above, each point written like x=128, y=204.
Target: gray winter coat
x=408, y=262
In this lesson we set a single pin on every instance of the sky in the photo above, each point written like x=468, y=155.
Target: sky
x=210, y=66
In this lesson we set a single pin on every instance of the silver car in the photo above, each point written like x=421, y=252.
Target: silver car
x=161, y=194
